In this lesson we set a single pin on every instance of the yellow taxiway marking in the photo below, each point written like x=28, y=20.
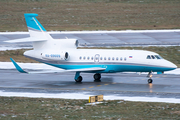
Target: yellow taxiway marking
x=91, y=87
x=106, y=84
x=83, y=88
x=114, y=83
x=98, y=85
x=157, y=77
x=164, y=75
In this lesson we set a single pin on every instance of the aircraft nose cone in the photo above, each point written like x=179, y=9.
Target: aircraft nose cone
x=172, y=66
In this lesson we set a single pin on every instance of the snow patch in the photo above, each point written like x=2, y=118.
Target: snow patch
x=85, y=95
x=100, y=31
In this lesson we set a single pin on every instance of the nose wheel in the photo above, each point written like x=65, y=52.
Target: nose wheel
x=150, y=76
x=150, y=80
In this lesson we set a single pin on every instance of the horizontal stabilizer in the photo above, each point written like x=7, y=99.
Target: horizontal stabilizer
x=57, y=71
x=29, y=39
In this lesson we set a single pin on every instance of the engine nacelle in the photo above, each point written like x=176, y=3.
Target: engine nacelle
x=56, y=56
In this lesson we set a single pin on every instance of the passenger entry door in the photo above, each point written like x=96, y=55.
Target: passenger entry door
x=96, y=58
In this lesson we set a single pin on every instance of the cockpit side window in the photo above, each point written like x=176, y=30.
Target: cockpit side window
x=152, y=56
x=160, y=57
x=148, y=57
x=157, y=57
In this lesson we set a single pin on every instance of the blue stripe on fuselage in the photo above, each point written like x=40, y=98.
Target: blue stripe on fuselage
x=115, y=68
x=118, y=67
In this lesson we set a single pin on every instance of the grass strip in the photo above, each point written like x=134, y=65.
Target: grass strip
x=78, y=15
x=18, y=108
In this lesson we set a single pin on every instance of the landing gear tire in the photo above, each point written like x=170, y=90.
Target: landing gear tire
x=150, y=80
x=97, y=77
x=79, y=79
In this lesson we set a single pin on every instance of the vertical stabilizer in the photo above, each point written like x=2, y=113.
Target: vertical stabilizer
x=36, y=30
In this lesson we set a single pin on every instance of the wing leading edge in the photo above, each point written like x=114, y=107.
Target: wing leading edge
x=57, y=71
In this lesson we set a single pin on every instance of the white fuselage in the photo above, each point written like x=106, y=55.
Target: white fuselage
x=53, y=53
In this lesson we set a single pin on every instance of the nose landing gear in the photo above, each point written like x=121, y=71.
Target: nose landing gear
x=150, y=76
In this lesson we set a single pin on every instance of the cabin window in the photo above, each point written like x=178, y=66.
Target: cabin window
x=148, y=57
x=117, y=58
x=104, y=58
x=109, y=58
x=84, y=58
x=88, y=58
x=100, y=58
x=80, y=57
x=96, y=58
x=152, y=56
x=112, y=58
x=124, y=59
x=91, y=58
x=121, y=59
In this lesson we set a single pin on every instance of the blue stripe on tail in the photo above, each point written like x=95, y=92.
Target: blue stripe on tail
x=32, y=22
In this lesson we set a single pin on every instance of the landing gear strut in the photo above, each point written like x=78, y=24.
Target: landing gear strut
x=150, y=76
x=77, y=77
x=97, y=77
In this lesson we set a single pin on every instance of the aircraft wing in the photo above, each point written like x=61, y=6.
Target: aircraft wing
x=29, y=39
x=56, y=71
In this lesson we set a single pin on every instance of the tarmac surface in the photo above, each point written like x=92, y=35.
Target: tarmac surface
x=124, y=84
x=107, y=38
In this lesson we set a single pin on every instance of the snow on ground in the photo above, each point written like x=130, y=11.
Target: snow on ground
x=41, y=66
x=4, y=48
x=99, y=31
x=85, y=95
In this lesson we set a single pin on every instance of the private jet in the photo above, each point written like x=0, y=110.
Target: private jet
x=64, y=54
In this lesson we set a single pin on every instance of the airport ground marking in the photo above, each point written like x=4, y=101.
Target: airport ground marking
x=91, y=87
x=98, y=85
x=114, y=83
x=83, y=88
x=106, y=84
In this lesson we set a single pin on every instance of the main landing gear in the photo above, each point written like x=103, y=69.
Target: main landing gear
x=79, y=78
x=97, y=77
x=150, y=76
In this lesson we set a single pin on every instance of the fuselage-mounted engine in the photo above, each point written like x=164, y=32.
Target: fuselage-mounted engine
x=56, y=56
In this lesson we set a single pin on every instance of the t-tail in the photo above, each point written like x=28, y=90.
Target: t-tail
x=34, y=26
x=38, y=34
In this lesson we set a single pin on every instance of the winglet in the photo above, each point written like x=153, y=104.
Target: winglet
x=17, y=66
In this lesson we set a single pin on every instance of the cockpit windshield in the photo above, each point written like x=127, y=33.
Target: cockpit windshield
x=154, y=57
